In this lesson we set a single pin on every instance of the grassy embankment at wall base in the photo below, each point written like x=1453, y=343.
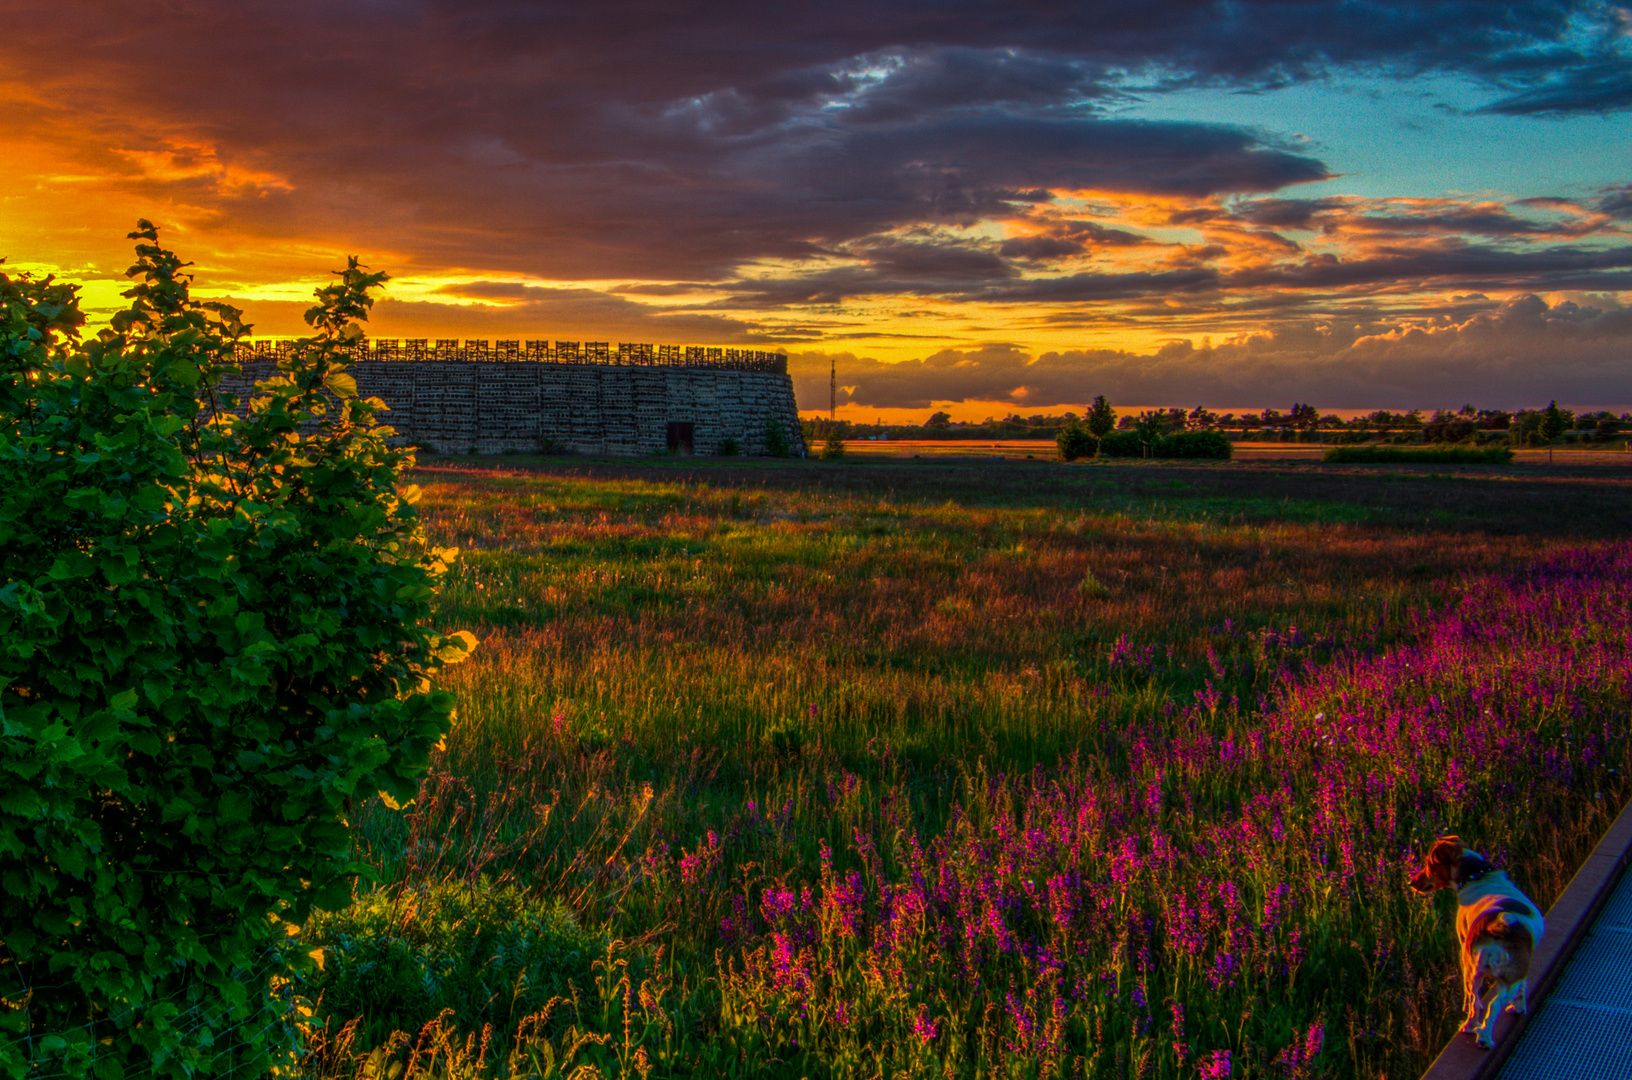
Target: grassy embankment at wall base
x=823, y=769
x=1431, y=455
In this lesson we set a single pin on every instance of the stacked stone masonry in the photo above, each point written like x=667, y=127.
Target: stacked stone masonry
x=473, y=397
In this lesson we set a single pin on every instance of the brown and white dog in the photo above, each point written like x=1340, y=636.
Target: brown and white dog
x=1497, y=926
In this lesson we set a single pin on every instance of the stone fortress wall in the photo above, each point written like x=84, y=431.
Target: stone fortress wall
x=453, y=397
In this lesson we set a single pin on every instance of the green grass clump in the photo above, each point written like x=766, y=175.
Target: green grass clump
x=477, y=953
x=1402, y=455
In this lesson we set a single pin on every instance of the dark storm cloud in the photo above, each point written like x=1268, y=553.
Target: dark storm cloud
x=1088, y=286
x=924, y=82
x=1009, y=154
x=755, y=43
x=848, y=283
x=1040, y=248
x=1470, y=266
x=1519, y=354
x=947, y=263
x=1617, y=203
x=1094, y=234
x=657, y=140
x=1289, y=213
x=1595, y=88
x=1414, y=217
x=963, y=273
x=525, y=311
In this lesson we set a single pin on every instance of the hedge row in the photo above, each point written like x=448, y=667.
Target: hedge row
x=1399, y=455
x=1180, y=444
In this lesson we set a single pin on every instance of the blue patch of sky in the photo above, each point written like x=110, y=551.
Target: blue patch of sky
x=1418, y=138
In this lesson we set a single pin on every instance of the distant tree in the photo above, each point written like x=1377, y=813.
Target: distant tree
x=1199, y=419
x=833, y=448
x=939, y=420
x=1101, y=417
x=1607, y=429
x=1151, y=426
x=1552, y=423
x=1303, y=417
x=1447, y=427
x=1525, y=426
x=1271, y=418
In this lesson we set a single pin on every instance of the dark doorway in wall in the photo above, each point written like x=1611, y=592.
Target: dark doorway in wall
x=680, y=436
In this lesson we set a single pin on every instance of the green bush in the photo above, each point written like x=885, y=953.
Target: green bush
x=1194, y=444
x=1399, y=455
x=833, y=448
x=776, y=438
x=1076, y=441
x=1122, y=444
x=492, y=955
x=212, y=633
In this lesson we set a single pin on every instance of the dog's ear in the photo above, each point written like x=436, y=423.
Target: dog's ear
x=1446, y=850
x=1437, y=865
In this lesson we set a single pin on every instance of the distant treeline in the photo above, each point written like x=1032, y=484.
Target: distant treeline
x=1302, y=423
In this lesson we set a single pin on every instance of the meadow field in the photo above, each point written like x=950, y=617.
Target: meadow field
x=978, y=768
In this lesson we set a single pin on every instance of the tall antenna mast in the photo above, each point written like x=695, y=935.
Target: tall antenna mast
x=833, y=389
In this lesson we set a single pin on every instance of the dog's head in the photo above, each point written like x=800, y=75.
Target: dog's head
x=1449, y=865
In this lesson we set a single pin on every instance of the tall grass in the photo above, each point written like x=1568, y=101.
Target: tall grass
x=848, y=785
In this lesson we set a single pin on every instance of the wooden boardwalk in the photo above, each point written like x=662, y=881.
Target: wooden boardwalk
x=1580, y=1022
x=1584, y=1028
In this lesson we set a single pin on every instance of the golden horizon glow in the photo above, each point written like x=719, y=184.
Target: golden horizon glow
x=1357, y=240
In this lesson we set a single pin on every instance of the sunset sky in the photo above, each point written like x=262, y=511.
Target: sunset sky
x=978, y=207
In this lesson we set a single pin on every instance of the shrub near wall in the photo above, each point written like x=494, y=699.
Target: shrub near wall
x=211, y=634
